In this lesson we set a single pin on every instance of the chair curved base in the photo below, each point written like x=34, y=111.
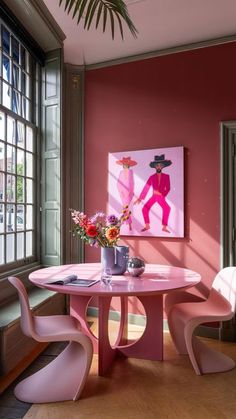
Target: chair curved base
x=209, y=360
x=62, y=379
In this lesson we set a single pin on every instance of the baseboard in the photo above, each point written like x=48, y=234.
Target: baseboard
x=137, y=319
x=140, y=320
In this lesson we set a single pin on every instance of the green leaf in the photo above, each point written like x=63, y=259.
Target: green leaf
x=91, y=3
x=77, y=8
x=120, y=25
x=99, y=14
x=112, y=23
x=70, y=6
x=92, y=13
x=104, y=19
x=92, y=10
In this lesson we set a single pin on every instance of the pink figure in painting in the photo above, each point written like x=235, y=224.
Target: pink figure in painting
x=160, y=183
x=125, y=186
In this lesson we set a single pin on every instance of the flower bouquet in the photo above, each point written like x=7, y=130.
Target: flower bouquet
x=100, y=230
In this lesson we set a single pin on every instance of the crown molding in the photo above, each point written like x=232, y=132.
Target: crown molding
x=162, y=52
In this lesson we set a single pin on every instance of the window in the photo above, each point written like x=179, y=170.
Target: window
x=18, y=152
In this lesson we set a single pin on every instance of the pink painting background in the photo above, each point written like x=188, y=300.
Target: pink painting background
x=142, y=171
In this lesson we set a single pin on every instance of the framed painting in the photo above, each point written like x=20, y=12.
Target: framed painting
x=147, y=186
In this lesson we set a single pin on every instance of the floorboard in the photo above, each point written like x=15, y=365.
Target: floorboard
x=139, y=389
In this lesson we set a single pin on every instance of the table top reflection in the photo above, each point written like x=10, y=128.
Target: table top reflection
x=157, y=279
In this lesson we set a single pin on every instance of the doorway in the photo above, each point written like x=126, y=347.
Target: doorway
x=228, y=210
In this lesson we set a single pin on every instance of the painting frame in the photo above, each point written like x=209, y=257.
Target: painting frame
x=147, y=187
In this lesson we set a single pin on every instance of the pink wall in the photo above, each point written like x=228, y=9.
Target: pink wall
x=174, y=100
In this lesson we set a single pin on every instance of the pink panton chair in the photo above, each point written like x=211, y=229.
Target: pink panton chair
x=184, y=317
x=64, y=378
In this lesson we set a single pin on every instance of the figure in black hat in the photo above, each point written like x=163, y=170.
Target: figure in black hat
x=160, y=183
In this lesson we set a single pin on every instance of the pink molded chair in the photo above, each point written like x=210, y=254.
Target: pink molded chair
x=64, y=378
x=184, y=317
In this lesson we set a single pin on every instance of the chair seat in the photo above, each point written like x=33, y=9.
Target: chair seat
x=216, y=308
x=56, y=326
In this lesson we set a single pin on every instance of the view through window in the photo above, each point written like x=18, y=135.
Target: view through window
x=17, y=152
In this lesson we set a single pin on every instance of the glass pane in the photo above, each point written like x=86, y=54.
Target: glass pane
x=10, y=188
x=11, y=130
x=20, y=189
x=10, y=239
x=20, y=208
x=2, y=126
x=29, y=217
x=20, y=246
x=29, y=243
x=11, y=155
x=2, y=250
x=25, y=84
x=29, y=139
x=22, y=50
x=16, y=102
x=6, y=95
x=21, y=213
x=24, y=59
x=19, y=222
x=2, y=187
x=6, y=68
x=20, y=135
x=2, y=218
x=29, y=191
x=20, y=193
x=29, y=165
x=15, y=49
x=5, y=40
x=16, y=77
x=2, y=155
x=20, y=168
x=10, y=218
x=25, y=108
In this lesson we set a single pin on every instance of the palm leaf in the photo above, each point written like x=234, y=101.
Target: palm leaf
x=99, y=14
x=88, y=21
x=113, y=11
x=112, y=23
x=104, y=19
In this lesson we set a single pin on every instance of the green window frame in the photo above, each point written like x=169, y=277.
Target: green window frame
x=19, y=178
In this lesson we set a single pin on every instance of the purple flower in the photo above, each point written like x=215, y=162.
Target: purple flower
x=112, y=219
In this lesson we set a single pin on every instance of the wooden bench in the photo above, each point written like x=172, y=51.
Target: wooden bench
x=17, y=351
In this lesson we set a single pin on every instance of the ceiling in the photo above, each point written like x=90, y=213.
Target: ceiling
x=161, y=24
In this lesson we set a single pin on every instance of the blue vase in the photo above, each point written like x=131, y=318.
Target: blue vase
x=115, y=258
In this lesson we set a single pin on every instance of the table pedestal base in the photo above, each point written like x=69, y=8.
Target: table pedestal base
x=150, y=344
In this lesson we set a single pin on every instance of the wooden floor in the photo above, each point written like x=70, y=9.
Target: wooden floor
x=10, y=407
x=137, y=389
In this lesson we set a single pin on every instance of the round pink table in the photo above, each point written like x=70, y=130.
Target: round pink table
x=149, y=289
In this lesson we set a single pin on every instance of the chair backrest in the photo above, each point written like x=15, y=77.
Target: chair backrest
x=27, y=324
x=225, y=284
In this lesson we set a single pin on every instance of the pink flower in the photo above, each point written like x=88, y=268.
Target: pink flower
x=99, y=218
